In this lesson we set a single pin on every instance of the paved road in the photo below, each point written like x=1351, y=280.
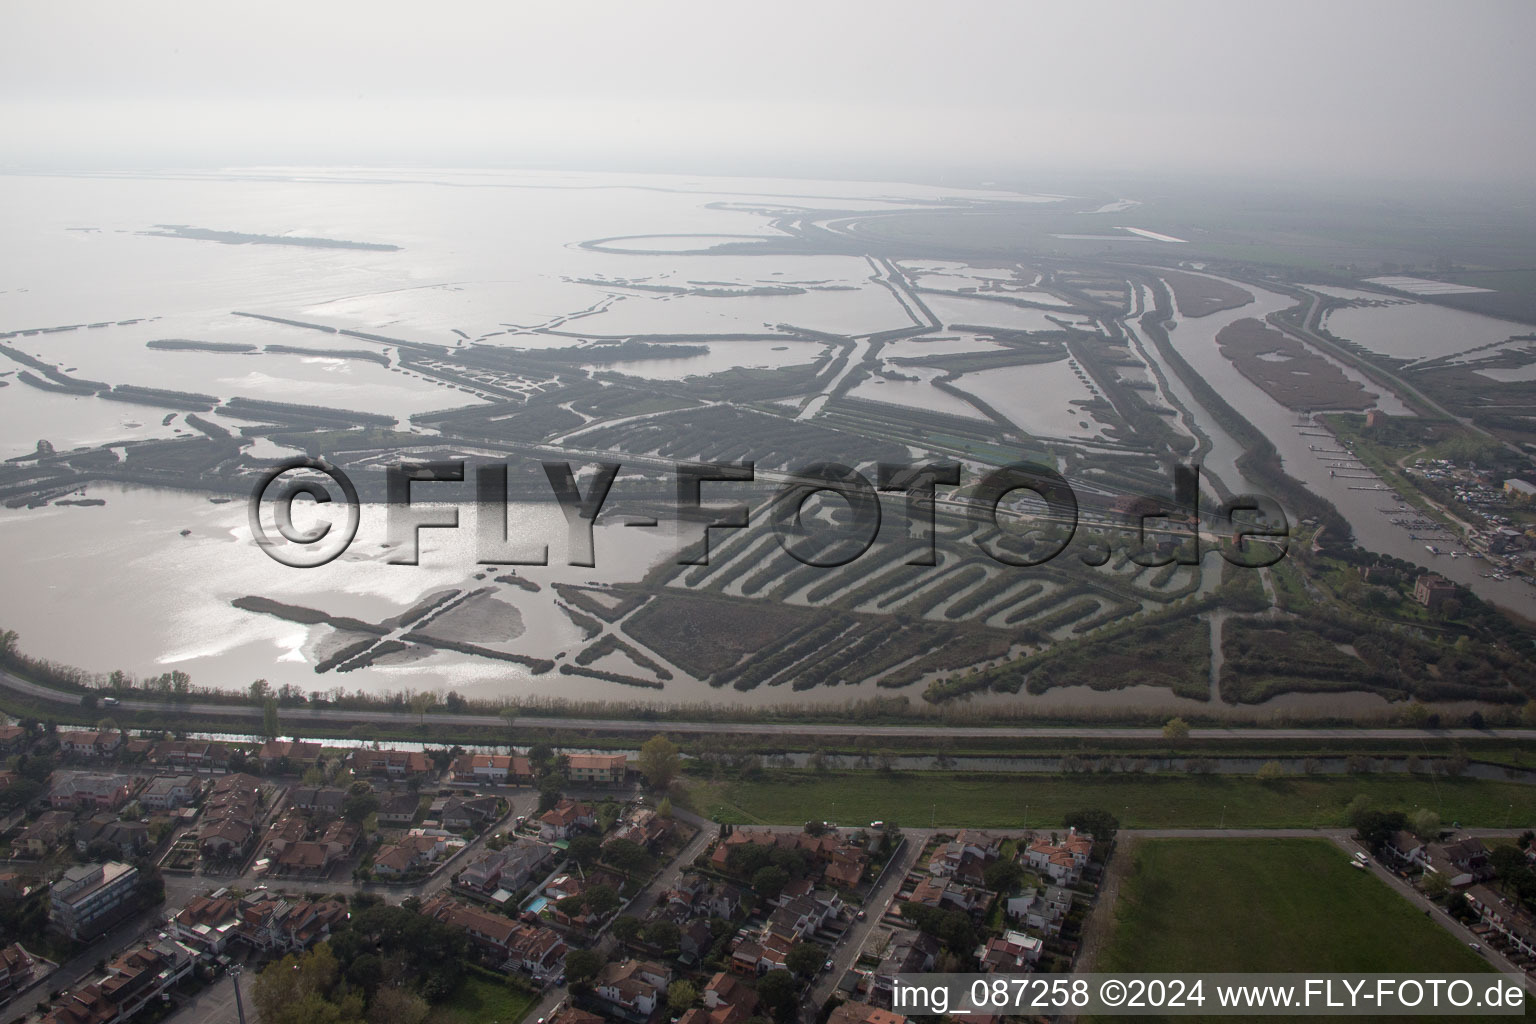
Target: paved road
x=338, y=717
x=79, y=967
x=875, y=905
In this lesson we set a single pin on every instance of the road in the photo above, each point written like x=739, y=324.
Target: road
x=83, y=965
x=339, y=719
x=1434, y=911
x=875, y=905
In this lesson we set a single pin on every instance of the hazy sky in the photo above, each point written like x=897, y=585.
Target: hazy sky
x=1360, y=89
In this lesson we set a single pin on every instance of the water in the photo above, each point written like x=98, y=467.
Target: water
x=488, y=258
x=157, y=600
x=1038, y=397
x=1195, y=341
x=963, y=309
x=722, y=355
x=915, y=394
x=1418, y=330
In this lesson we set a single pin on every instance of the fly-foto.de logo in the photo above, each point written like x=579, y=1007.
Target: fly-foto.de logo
x=1023, y=500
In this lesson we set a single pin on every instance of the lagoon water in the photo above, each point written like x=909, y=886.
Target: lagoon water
x=483, y=258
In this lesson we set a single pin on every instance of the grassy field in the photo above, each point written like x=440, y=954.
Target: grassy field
x=480, y=1000
x=1269, y=905
x=1140, y=801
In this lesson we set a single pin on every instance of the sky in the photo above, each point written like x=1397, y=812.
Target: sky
x=1362, y=89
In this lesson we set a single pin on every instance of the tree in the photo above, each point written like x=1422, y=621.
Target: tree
x=663, y=934
x=1355, y=810
x=1271, y=771
x=660, y=761
x=1099, y=824
x=779, y=994
x=581, y=966
x=681, y=995
x=1424, y=823
x=624, y=854
x=584, y=850
x=601, y=900
x=1176, y=730
x=626, y=927
x=260, y=691
x=815, y=828
x=1003, y=876
x=805, y=958
x=1435, y=885
x=768, y=882
x=423, y=702
x=397, y=1006
x=1458, y=907
x=270, y=726
x=1375, y=828
x=664, y=808
x=359, y=802
x=296, y=990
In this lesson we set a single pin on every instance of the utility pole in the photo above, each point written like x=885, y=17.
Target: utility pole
x=234, y=973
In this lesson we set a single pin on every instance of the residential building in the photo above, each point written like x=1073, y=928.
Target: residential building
x=864, y=1013
x=906, y=952
x=190, y=754
x=89, y=790
x=566, y=817
x=12, y=738
x=393, y=763
x=597, y=769
x=17, y=970
x=398, y=808
x=280, y=923
x=1461, y=863
x=1506, y=917
x=207, y=923
x=168, y=792
x=491, y=769
x=970, y=845
x=414, y=852
x=1062, y=861
x=231, y=815
x=89, y=897
x=45, y=834
x=508, y=869
x=1406, y=851
x=1432, y=590
x=1041, y=910
x=533, y=949
x=632, y=989
x=133, y=981
x=321, y=801
x=468, y=814
x=1010, y=953
x=643, y=827
x=299, y=755
x=88, y=743
x=127, y=838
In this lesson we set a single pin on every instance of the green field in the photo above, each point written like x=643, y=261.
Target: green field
x=1269, y=905
x=917, y=799
x=480, y=1000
